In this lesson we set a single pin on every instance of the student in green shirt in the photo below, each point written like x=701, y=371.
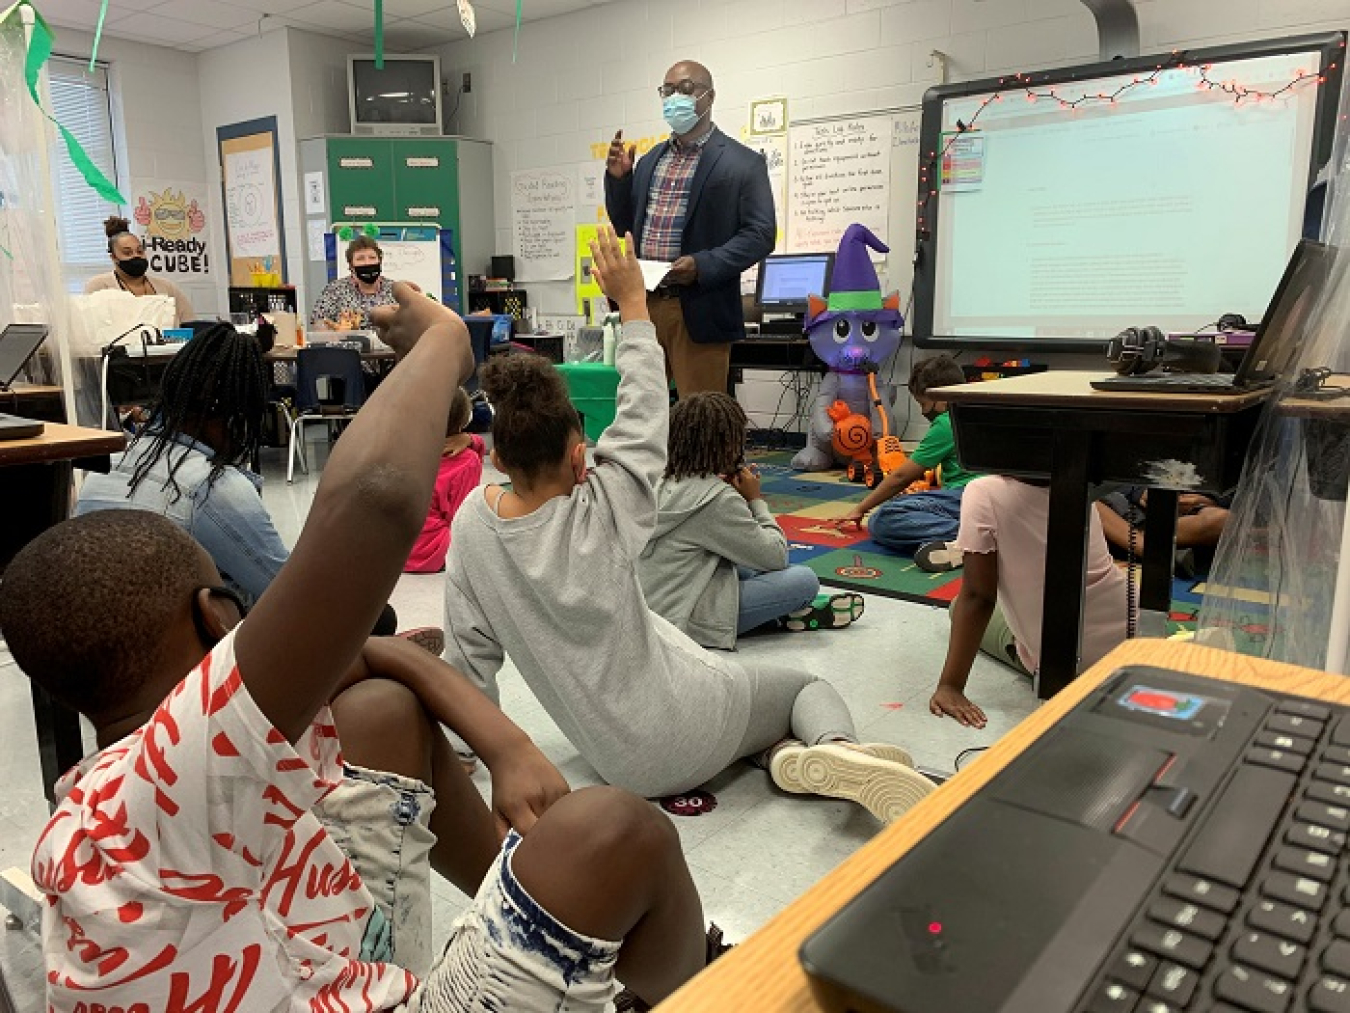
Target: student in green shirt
x=908, y=522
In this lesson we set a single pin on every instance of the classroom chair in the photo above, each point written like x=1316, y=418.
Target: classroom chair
x=330, y=388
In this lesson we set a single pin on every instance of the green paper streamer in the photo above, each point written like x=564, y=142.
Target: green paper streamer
x=515, y=39
x=379, y=34
x=98, y=34
x=39, y=51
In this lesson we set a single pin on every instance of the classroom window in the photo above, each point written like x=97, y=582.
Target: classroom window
x=80, y=101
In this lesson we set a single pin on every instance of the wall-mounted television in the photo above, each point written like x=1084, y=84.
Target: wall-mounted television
x=401, y=98
x=1056, y=208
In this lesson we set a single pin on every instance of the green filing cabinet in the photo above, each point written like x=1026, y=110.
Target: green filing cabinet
x=361, y=180
x=445, y=182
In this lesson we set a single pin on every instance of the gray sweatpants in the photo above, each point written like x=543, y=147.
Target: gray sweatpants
x=784, y=703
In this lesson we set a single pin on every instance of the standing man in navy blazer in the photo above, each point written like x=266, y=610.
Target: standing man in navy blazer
x=700, y=202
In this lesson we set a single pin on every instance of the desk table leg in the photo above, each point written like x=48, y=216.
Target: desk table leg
x=1160, y=535
x=60, y=744
x=1065, y=559
x=37, y=496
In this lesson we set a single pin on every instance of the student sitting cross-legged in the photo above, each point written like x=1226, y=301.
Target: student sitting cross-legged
x=255, y=830
x=906, y=522
x=546, y=572
x=717, y=564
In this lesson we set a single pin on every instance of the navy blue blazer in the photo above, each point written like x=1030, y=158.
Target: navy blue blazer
x=729, y=226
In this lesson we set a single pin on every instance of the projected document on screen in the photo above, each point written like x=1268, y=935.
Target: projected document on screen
x=1170, y=206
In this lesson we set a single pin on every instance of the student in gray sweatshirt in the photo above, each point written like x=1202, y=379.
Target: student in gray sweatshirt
x=545, y=571
x=717, y=564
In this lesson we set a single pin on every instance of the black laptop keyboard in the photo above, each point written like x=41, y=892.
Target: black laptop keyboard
x=1190, y=380
x=1254, y=913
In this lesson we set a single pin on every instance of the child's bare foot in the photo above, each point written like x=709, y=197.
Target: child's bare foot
x=950, y=702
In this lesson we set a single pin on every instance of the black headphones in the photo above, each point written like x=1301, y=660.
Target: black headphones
x=1137, y=350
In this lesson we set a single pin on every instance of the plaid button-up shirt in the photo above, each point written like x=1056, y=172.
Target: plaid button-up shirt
x=668, y=200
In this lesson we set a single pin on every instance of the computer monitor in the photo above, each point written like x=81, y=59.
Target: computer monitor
x=18, y=342
x=787, y=280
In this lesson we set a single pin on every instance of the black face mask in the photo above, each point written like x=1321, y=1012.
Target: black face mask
x=369, y=273
x=134, y=267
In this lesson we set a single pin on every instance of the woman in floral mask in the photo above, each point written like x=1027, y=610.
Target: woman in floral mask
x=345, y=303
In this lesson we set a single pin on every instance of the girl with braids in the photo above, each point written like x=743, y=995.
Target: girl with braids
x=717, y=564
x=546, y=571
x=190, y=462
x=127, y=253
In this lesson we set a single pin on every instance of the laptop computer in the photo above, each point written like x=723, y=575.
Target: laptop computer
x=1276, y=345
x=18, y=342
x=1172, y=843
x=15, y=427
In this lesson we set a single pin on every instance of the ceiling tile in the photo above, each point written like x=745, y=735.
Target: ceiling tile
x=422, y=33
x=399, y=9
x=271, y=6
x=214, y=41
x=144, y=26
x=82, y=14
x=208, y=13
x=335, y=15
x=490, y=19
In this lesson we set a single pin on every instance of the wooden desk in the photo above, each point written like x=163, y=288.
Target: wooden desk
x=35, y=486
x=1054, y=425
x=763, y=974
x=286, y=353
x=34, y=401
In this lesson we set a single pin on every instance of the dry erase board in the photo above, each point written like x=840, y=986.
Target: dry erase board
x=862, y=168
x=415, y=261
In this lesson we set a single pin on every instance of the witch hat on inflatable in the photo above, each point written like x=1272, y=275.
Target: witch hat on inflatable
x=854, y=289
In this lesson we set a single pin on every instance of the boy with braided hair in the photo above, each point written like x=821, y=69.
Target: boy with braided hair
x=190, y=463
x=717, y=563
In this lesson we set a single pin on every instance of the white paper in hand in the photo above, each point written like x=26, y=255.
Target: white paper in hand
x=653, y=272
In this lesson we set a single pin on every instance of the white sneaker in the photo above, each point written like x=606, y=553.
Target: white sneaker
x=883, y=787
x=938, y=557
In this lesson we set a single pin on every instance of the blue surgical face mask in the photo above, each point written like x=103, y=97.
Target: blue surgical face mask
x=681, y=113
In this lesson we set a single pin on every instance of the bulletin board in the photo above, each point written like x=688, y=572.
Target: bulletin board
x=250, y=175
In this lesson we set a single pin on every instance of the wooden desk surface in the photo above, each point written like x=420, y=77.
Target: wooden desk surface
x=763, y=974
x=286, y=353
x=1073, y=389
x=1335, y=409
x=23, y=390
x=62, y=443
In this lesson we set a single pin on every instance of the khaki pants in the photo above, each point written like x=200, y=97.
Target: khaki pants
x=693, y=367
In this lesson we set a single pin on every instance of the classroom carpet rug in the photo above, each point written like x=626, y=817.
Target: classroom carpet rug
x=804, y=503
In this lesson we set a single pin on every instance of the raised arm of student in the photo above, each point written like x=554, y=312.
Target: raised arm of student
x=971, y=611
x=313, y=620
x=631, y=454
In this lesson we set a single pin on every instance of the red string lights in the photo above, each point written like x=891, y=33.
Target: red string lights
x=1032, y=93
